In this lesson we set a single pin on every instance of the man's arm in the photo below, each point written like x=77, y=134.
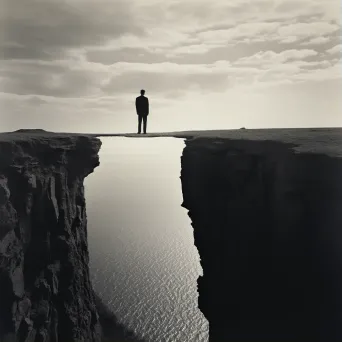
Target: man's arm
x=148, y=107
x=136, y=105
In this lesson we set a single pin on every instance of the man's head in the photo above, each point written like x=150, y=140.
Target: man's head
x=142, y=92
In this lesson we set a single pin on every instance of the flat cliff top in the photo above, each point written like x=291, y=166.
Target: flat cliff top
x=25, y=147
x=40, y=134
x=312, y=140
x=326, y=141
x=52, y=139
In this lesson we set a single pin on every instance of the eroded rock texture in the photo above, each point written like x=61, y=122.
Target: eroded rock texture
x=268, y=227
x=45, y=290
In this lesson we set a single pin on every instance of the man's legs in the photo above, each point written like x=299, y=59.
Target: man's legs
x=145, y=122
x=139, y=123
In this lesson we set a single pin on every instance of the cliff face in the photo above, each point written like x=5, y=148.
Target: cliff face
x=45, y=293
x=268, y=227
x=267, y=224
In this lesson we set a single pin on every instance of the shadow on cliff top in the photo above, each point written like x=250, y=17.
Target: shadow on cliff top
x=31, y=130
x=112, y=330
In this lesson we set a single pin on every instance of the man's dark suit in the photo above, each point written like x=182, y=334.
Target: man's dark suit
x=142, y=107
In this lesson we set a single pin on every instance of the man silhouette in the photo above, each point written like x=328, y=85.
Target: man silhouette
x=142, y=107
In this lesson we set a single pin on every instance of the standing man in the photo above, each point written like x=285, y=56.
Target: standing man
x=142, y=107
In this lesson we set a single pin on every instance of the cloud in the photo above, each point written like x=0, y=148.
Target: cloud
x=154, y=38
x=271, y=57
x=306, y=30
x=335, y=50
x=47, y=30
x=313, y=64
x=204, y=16
x=192, y=49
x=246, y=30
x=75, y=78
x=60, y=79
x=196, y=27
x=267, y=31
x=80, y=78
x=317, y=41
x=331, y=73
x=42, y=29
x=75, y=48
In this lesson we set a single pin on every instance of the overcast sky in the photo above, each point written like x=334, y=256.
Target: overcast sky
x=77, y=65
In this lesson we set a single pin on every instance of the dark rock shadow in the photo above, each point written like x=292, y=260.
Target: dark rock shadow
x=267, y=224
x=112, y=330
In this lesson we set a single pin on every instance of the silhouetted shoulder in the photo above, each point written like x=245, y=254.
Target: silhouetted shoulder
x=142, y=98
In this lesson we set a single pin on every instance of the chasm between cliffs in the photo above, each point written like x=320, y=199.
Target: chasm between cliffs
x=143, y=262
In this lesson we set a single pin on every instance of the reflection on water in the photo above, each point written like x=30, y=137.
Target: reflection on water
x=143, y=260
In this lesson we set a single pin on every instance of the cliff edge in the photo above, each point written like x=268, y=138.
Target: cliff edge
x=267, y=223
x=46, y=294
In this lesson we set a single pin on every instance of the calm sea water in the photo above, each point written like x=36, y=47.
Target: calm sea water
x=143, y=261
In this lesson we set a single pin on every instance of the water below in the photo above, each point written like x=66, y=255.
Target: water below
x=143, y=261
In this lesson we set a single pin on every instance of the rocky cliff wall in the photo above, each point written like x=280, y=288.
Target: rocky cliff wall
x=267, y=224
x=46, y=294
x=268, y=227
